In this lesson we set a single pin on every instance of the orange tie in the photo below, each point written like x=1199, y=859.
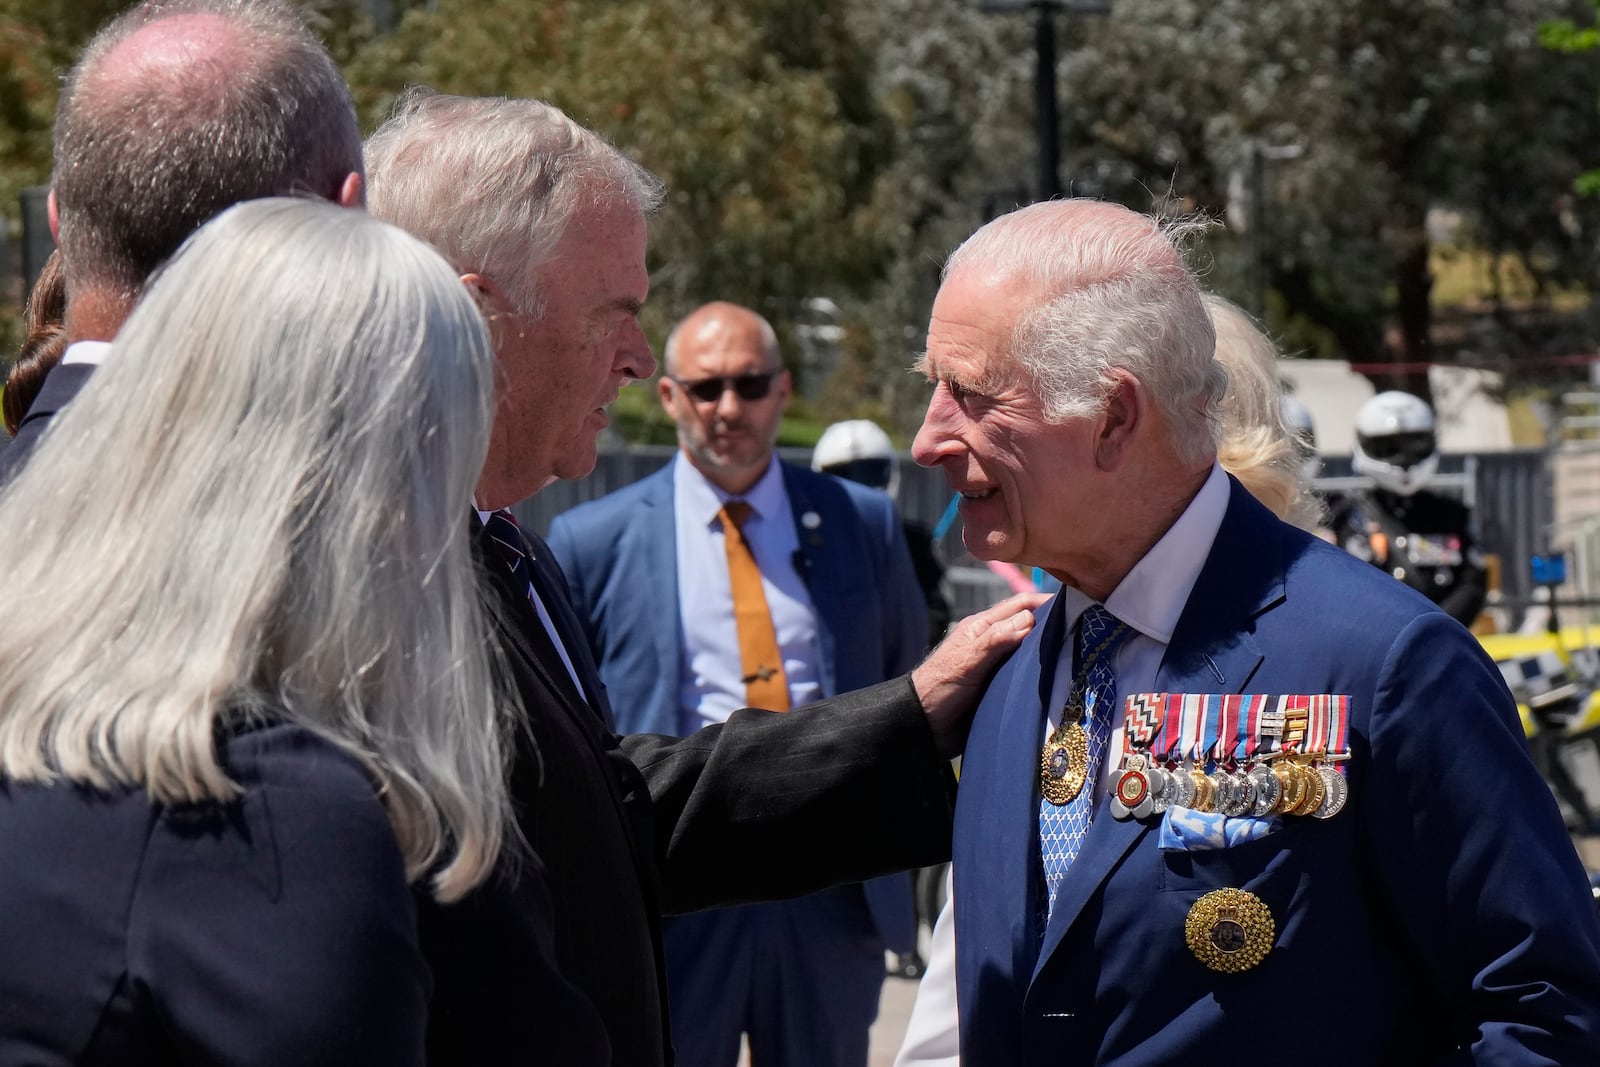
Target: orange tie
x=759, y=658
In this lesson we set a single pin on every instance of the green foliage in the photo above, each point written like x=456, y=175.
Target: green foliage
x=1565, y=35
x=838, y=149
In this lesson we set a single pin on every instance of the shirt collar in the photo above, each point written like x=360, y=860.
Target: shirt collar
x=695, y=493
x=1151, y=597
x=91, y=352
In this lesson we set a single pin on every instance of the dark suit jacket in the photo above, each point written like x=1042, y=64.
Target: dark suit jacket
x=273, y=930
x=764, y=807
x=1442, y=916
x=62, y=384
x=619, y=554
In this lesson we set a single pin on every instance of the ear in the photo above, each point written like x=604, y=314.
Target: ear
x=664, y=393
x=353, y=193
x=53, y=214
x=784, y=383
x=1121, y=421
x=486, y=293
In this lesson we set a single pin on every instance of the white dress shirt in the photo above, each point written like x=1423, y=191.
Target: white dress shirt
x=92, y=352
x=1150, y=600
x=710, y=671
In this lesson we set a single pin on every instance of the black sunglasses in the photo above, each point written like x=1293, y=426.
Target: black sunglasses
x=710, y=390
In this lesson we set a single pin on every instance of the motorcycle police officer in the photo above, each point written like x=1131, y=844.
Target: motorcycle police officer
x=1423, y=538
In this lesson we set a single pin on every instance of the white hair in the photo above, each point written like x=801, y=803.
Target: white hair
x=493, y=182
x=1257, y=447
x=258, y=508
x=1113, y=293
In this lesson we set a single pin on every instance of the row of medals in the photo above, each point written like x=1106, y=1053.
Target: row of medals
x=1287, y=785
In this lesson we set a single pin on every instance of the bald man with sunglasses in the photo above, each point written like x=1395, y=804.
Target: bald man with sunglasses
x=660, y=578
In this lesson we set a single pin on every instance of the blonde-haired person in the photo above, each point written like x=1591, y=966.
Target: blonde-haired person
x=1256, y=445
x=245, y=700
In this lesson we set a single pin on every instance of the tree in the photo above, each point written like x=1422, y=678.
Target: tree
x=1399, y=111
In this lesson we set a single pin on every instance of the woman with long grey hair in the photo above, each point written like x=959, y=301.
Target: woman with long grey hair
x=245, y=690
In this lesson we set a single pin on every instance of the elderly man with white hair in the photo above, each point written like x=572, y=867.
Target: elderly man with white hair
x=1238, y=792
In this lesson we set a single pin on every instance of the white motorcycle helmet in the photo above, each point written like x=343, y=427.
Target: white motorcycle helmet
x=1297, y=417
x=858, y=450
x=1395, y=443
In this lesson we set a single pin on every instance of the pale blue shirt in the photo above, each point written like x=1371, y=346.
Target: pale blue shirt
x=1149, y=599
x=710, y=673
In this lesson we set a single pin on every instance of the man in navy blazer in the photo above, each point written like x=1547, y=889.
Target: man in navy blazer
x=650, y=576
x=1420, y=903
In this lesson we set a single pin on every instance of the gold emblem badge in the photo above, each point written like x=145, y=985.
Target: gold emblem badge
x=1230, y=930
x=1064, y=764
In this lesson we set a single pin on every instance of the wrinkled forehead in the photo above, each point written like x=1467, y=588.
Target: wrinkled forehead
x=976, y=316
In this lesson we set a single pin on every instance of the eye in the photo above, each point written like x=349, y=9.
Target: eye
x=957, y=391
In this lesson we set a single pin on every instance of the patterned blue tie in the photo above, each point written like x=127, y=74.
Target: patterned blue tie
x=1062, y=828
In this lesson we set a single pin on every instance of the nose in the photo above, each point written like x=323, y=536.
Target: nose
x=634, y=358
x=728, y=404
x=934, y=440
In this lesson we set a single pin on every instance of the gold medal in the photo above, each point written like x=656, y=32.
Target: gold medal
x=1063, y=764
x=1316, y=791
x=1230, y=930
x=1204, y=791
x=1294, y=787
x=1064, y=760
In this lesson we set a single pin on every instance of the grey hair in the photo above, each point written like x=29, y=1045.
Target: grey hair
x=1113, y=292
x=259, y=506
x=141, y=163
x=1257, y=447
x=769, y=339
x=494, y=182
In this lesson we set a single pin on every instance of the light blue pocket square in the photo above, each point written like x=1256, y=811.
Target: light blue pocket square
x=1187, y=830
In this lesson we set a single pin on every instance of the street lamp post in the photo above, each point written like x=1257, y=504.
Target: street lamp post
x=1046, y=119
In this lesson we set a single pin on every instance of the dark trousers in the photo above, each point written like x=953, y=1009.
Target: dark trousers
x=800, y=977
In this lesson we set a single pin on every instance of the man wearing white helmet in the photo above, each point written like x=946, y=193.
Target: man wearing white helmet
x=1423, y=538
x=859, y=451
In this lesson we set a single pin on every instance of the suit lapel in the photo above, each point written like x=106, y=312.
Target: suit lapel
x=522, y=631
x=551, y=590
x=659, y=563
x=1213, y=650
x=813, y=550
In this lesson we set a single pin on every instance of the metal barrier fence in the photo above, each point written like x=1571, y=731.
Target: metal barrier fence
x=1511, y=493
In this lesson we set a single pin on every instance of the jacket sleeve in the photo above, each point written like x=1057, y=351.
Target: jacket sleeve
x=1497, y=911
x=768, y=806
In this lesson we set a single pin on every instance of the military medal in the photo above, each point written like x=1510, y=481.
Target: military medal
x=1234, y=755
x=1135, y=786
x=1064, y=761
x=1268, y=790
x=1230, y=930
x=1338, y=791
x=1316, y=790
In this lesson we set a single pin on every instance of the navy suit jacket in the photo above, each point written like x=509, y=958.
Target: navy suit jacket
x=621, y=829
x=274, y=929
x=619, y=554
x=62, y=384
x=1442, y=916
